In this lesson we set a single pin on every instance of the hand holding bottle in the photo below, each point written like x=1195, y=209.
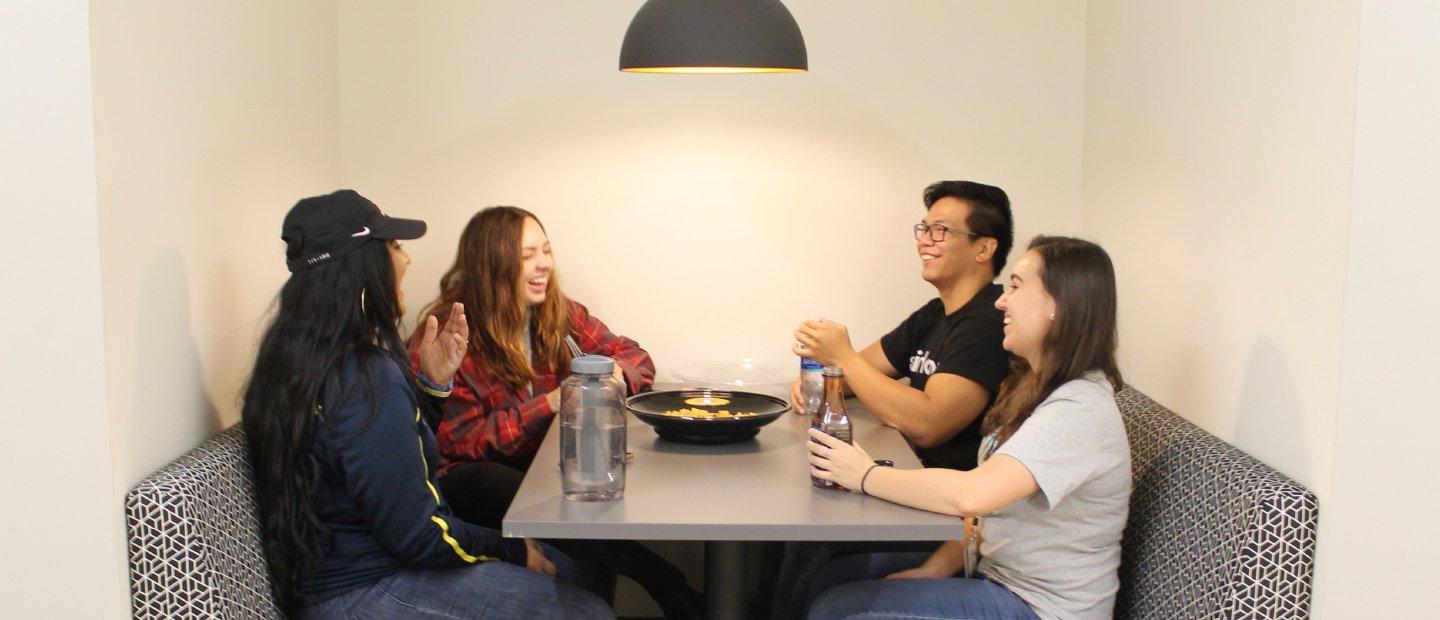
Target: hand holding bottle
x=824, y=341
x=835, y=460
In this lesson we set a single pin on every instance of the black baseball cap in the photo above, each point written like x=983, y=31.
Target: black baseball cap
x=320, y=229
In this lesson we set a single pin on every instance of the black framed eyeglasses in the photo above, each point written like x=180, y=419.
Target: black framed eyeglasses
x=938, y=231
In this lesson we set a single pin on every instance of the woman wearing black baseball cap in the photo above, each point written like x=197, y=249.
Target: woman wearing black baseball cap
x=352, y=521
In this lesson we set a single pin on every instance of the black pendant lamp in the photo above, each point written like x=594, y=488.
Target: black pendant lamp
x=713, y=36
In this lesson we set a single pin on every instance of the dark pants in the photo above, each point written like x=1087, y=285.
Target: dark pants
x=480, y=492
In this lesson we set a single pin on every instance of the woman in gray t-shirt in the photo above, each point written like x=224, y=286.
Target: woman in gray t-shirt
x=1053, y=487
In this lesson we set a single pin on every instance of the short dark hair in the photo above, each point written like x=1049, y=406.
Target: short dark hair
x=989, y=213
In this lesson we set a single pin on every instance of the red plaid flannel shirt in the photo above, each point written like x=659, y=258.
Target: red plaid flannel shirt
x=486, y=420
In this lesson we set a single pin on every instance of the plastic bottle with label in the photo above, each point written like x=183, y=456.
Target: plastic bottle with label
x=812, y=386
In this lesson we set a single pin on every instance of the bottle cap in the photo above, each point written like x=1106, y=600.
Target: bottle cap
x=833, y=371
x=592, y=365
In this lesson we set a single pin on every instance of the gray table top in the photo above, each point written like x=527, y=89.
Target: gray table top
x=755, y=490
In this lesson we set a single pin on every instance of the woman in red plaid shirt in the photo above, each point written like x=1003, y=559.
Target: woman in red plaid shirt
x=507, y=389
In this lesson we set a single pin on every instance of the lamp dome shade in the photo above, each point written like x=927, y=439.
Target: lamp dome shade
x=713, y=36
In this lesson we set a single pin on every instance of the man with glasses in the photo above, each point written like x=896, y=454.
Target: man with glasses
x=949, y=349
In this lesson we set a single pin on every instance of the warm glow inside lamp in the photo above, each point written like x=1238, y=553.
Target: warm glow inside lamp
x=713, y=36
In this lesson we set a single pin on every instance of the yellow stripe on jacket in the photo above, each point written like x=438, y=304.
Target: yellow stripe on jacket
x=444, y=527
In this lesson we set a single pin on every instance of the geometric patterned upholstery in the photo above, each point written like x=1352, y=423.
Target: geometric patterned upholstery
x=1213, y=533
x=194, y=537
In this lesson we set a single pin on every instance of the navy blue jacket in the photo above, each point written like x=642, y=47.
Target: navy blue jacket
x=376, y=489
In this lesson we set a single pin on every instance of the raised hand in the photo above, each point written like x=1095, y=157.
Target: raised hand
x=442, y=350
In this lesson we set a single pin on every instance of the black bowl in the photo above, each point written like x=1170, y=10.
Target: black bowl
x=650, y=407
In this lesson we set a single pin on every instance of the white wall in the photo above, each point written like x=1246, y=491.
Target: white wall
x=706, y=216
x=59, y=528
x=1272, y=234
x=1377, y=554
x=211, y=120
x=1217, y=174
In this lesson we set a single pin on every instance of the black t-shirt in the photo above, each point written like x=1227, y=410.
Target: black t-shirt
x=965, y=343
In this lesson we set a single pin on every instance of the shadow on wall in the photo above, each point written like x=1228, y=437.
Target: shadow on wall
x=238, y=303
x=1269, y=414
x=170, y=413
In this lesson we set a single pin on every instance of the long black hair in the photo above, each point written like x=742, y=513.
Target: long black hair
x=327, y=315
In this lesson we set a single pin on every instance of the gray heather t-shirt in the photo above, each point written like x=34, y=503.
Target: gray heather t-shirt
x=1059, y=549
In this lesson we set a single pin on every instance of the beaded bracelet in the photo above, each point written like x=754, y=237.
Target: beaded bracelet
x=432, y=386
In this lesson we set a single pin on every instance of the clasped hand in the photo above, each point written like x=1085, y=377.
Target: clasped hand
x=824, y=341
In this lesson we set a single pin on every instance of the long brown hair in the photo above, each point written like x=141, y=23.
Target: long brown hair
x=486, y=278
x=1079, y=276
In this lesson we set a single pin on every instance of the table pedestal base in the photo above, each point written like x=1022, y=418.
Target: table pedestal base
x=725, y=579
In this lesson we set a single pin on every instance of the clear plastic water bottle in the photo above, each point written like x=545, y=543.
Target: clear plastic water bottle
x=592, y=431
x=812, y=386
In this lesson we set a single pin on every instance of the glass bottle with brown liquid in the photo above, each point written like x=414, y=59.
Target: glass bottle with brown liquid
x=830, y=416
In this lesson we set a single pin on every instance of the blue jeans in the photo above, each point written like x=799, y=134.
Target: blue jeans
x=854, y=587
x=485, y=590
x=801, y=563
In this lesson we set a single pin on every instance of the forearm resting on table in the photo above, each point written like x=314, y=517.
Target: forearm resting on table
x=1000, y=481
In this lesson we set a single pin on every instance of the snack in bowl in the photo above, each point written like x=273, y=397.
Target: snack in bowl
x=695, y=412
x=706, y=415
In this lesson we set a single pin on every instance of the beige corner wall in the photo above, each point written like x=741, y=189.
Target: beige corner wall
x=211, y=119
x=1377, y=553
x=59, y=527
x=1271, y=217
x=1217, y=173
x=706, y=216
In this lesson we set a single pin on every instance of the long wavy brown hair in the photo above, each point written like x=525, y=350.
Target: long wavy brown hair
x=1079, y=276
x=486, y=278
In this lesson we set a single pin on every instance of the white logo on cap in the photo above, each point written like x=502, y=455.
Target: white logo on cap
x=362, y=233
